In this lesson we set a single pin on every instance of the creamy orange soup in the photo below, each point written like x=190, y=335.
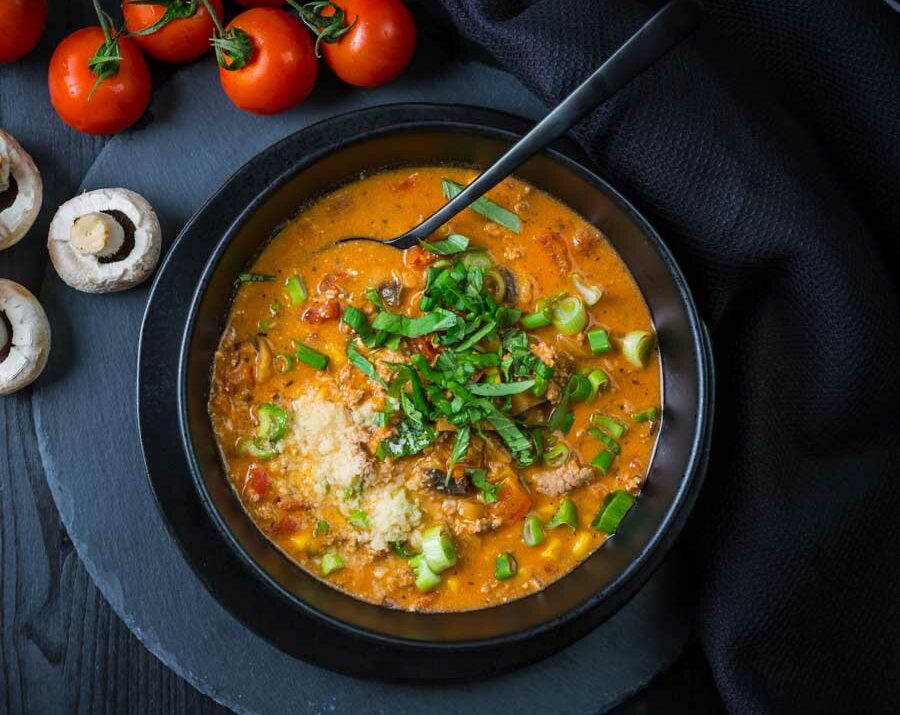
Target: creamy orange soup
x=443, y=428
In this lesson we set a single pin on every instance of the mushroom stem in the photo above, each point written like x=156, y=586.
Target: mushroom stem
x=96, y=234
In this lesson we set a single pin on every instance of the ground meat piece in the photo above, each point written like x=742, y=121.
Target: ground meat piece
x=418, y=257
x=238, y=375
x=332, y=282
x=553, y=482
x=562, y=365
x=408, y=183
x=320, y=311
x=350, y=393
x=586, y=241
x=513, y=253
x=555, y=247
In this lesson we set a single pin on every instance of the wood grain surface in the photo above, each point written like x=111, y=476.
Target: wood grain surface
x=62, y=649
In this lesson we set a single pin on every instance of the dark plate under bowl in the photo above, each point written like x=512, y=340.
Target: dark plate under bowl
x=500, y=637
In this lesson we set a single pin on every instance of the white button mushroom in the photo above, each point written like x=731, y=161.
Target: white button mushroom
x=105, y=240
x=21, y=191
x=24, y=337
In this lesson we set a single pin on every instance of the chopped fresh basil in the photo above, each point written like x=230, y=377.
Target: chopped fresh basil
x=454, y=243
x=485, y=207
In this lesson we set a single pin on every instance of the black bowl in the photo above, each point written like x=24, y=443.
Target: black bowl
x=507, y=635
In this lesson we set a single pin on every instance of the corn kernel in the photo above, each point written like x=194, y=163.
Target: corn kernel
x=582, y=545
x=552, y=549
x=546, y=512
x=453, y=584
x=300, y=541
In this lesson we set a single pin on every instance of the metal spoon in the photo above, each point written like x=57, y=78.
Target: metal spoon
x=675, y=21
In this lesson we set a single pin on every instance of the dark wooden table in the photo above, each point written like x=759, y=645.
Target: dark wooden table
x=62, y=648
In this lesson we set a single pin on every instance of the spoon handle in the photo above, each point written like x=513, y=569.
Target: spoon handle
x=671, y=24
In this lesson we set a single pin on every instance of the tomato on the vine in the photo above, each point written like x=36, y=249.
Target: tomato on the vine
x=93, y=91
x=21, y=26
x=183, y=27
x=261, y=3
x=276, y=70
x=365, y=42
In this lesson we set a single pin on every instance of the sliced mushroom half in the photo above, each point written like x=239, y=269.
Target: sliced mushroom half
x=105, y=240
x=24, y=337
x=21, y=191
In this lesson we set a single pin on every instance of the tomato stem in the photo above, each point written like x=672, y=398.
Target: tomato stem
x=233, y=47
x=326, y=28
x=174, y=10
x=105, y=62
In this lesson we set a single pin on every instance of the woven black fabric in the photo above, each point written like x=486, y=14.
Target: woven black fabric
x=767, y=151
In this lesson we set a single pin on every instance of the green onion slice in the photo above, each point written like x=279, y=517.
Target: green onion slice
x=401, y=550
x=568, y=315
x=477, y=259
x=566, y=514
x=256, y=448
x=255, y=278
x=296, y=290
x=599, y=381
x=359, y=519
x=331, y=562
x=614, y=509
x=557, y=455
x=610, y=443
x=506, y=566
x=603, y=460
x=495, y=284
x=322, y=528
x=637, y=346
x=485, y=207
x=426, y=579
x=307, y=355
x=540, y=319
x=614, y=427
x=284, y=363
x=438, y=549
x=590, y=294
x=598, y=339
x=273, y=422
x=579, y=388
x=649, y=415
x=533, y=531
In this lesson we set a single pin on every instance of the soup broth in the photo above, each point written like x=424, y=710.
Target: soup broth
x=444, y=428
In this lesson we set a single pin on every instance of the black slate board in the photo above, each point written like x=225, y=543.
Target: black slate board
x=86, y=424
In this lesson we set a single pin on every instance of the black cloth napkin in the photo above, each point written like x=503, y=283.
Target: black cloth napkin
x=767, y=151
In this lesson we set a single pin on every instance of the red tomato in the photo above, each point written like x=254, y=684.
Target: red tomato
x=378, y=47
x=119, y=100
x=282, y=70
x=180, y=40
x=261, y=3
x=257, y=480
x=21, y=26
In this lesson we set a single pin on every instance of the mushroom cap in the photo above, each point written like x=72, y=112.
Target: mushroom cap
x=29, y=340
x=18, y=218
x=86, y=272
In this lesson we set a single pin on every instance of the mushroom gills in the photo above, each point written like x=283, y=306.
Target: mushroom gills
x=97, y=234
x=5, y=336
